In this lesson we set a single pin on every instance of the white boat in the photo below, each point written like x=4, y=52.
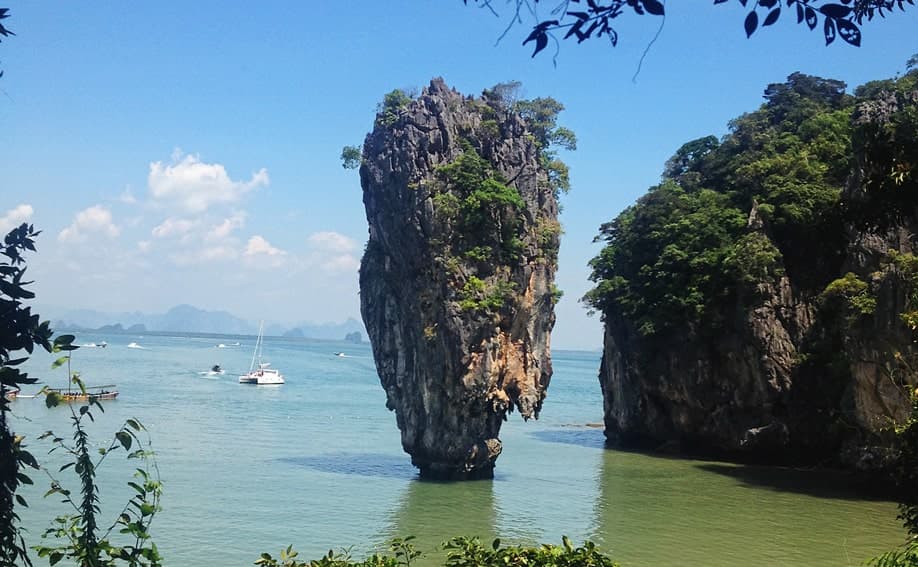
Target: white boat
x=259, y=372
x=135, y=345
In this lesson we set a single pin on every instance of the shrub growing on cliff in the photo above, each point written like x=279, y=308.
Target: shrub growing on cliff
x=484, y=210
x=852, y=292
x=541, y=117
x=663, y=263
x=393, y=102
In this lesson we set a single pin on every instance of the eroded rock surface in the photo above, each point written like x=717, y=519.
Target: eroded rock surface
x=456, y=286
x=787, y=376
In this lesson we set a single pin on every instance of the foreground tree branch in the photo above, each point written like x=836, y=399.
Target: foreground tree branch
x=589, y=19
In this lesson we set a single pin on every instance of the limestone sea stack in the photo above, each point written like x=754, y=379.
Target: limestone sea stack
x=456, y=283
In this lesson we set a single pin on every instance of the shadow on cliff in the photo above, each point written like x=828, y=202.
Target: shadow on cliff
x=821, y=483
x=360, y=464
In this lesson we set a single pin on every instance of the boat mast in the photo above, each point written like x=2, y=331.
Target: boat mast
x=257, y=352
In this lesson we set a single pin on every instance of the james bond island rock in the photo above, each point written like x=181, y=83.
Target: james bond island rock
x=456, y=283
x=761, y=303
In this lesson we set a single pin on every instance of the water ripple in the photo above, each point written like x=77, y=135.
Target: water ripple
x=360, y=464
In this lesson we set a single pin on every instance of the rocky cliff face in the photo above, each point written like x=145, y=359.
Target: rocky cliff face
x=788, y=376
x=783, y=383
x=456, y=284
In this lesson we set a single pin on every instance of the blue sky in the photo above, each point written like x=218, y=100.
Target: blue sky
x=187, y=152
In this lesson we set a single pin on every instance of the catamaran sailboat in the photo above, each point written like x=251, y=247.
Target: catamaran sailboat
x=260, y=373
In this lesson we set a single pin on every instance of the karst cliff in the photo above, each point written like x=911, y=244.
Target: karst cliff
x=761, y=302
x=456, y=283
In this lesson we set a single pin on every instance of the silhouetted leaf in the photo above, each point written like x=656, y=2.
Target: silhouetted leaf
x=811, y=18
x=541, y=42
x=772, y=17
x=849, y=32
x=752, y=22
x=575, y=29
x=125, y=439
x=835, y=10
x=655, y=7
x=829, y=30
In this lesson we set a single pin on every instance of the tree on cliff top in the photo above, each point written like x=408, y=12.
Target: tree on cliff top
x=683, y=252
x=594, y=18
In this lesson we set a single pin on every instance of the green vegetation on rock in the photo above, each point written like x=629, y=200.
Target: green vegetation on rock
x=394, y=102
x=483, y=210
x=731, y=214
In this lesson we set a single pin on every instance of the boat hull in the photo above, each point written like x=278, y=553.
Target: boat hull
x=262, y=378
x=70, y=396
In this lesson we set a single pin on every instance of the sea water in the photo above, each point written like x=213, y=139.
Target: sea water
x=317, y=463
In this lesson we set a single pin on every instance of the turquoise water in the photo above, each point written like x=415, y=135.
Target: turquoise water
x=317, y=463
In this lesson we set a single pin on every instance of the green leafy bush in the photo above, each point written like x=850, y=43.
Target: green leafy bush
x=20, y=332
x=853, y=291
x=461, y=552
x=484, y=209
x=393, y=102
x=80, y=535
x=683, y=254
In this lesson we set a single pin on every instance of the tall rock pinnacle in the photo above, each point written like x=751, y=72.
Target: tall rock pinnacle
x=456, y=284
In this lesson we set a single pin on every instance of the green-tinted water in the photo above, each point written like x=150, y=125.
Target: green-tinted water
x=316, y=463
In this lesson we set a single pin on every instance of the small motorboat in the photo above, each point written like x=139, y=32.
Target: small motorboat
x=11, y=394
x=216, y=369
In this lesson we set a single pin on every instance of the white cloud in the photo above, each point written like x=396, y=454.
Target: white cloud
x=207, y=254
x=258, y=246
x=225, y=228
x=127, y=196
x=144, y=246
x=172, y=227
x=260, y=254
x=96, y=220
x=332, y=252
x=15, y=217
x=194, y=186
x=329, y=241
x=213, y=253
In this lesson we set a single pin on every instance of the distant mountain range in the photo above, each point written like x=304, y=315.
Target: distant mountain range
x=189, y=319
